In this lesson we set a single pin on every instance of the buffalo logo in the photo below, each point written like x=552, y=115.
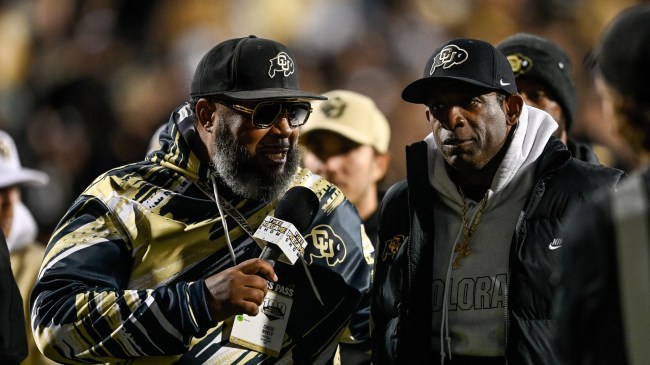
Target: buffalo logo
x=520, y=64
x=333, y=108
x=273, y=309
x=391, y=247
x=325, y=244
x=449, y=56
x=4, y=150
x=282, y=63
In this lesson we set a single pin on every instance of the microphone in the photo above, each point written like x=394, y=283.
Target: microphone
x=294, y=214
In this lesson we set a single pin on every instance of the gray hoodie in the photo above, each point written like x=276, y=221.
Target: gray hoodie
x=472, y=316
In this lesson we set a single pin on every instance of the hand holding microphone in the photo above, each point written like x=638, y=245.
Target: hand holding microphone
x=242, y=288
x=239, y=289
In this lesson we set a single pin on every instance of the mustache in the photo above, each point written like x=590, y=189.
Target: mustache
x=281, y=143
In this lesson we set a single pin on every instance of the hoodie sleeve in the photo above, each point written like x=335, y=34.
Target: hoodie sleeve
x=81, y=311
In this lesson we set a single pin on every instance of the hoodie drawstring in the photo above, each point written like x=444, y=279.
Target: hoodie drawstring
x=444, y=324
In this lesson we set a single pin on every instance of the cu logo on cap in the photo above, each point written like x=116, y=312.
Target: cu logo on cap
x=520, y=64
x=4, y=150
x=282, y=63
x=334, y=108
x=449, y=56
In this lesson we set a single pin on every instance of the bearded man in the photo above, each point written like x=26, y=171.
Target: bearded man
x=157, y=258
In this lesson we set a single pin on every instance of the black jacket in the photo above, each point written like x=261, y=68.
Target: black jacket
x=401, y=294
x=13, y=341
x=594, y=315
x=582, y=151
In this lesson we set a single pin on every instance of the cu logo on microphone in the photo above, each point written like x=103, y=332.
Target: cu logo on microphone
x=324, y=244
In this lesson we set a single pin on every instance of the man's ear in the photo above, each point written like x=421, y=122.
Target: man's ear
x=381, y=162
x=204, y=111
x=514, y=106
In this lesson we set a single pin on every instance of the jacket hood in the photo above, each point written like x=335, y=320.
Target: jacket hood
x=175, y=152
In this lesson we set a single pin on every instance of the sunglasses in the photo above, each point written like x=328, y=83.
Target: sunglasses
x=266, y=113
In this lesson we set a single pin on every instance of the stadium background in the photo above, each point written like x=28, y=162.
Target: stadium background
x=85, y=83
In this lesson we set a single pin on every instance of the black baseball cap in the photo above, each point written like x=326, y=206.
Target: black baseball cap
x=249, y=68
x=471, y=61
x=539, y=59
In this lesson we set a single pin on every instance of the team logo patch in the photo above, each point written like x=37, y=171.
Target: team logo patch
x=281, y=63
x=324, y=244
x=334, y=108
x=391, y=247
x=4, y=150
x=448, y=57
x=520, y=64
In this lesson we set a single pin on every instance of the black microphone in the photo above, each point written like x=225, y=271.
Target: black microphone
x=297, y=206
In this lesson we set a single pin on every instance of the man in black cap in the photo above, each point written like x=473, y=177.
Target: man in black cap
x=468, y=241
x=603, y=296
x=157, y=261
x=543, y=75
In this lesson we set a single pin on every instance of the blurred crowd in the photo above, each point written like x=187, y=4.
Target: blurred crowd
x=85, y=83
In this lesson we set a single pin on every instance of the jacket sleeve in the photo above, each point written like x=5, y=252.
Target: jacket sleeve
x=387, y=293
x=587, y=303
x=354, y=343
x=81, y=309
x=338, y=258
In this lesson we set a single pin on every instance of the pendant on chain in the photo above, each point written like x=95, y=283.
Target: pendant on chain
x=462, y=249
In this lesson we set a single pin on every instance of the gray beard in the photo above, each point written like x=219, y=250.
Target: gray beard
x=236, y=169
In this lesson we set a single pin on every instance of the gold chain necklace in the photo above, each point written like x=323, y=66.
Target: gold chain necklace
x=462, y=249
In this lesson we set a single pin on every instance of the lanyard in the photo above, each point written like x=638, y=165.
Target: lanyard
x=229, y=210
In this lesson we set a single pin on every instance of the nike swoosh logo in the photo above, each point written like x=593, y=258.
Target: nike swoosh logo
x=503, y=83
x=555, y=244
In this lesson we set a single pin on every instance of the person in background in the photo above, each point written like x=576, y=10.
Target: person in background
x=346, y=142
x=543, y=72
x=13, y=341
x=156, y=261
x=468, y=241
x=603, y=287
x=20, y=230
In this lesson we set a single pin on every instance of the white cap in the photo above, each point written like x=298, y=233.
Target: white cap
x=11, y=171
x=352, y=115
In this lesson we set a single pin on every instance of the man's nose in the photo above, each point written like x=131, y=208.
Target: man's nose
x=282, y=125
x=452, y=118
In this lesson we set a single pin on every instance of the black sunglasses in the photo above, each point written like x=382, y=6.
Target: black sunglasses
x=266, y=113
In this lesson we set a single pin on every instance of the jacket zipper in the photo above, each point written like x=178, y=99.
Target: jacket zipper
x=539, y=187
